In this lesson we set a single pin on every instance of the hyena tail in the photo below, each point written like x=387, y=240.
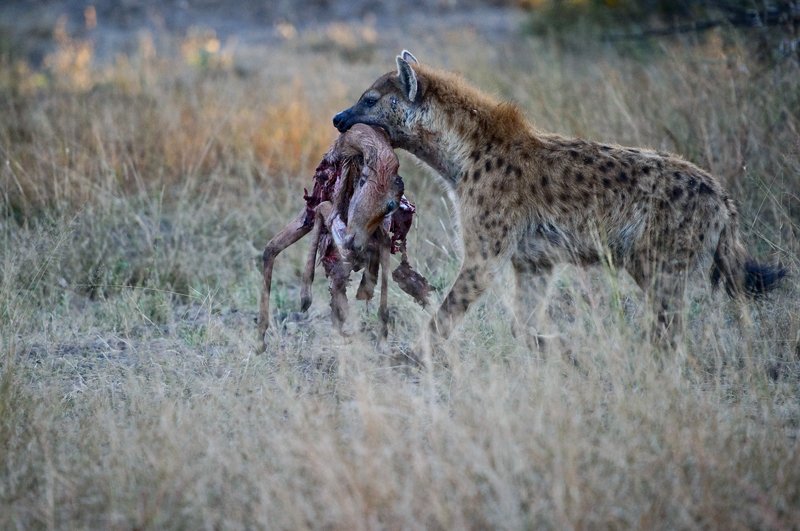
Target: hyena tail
x=741, y=274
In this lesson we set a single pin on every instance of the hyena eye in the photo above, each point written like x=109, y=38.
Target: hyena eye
x=370, y=101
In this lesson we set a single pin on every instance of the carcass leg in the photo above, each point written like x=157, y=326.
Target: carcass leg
x=286, y=237
x=383, y=309
x=369, y=278
x=311, y=263
x=338, y=278
x=337, y=269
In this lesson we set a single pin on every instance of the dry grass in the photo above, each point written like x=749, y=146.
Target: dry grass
x=136, y=201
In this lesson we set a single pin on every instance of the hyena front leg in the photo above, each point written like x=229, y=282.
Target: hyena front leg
x=471, y=283
x=484, y=253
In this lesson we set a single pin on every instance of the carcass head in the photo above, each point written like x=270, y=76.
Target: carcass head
x=376, y=188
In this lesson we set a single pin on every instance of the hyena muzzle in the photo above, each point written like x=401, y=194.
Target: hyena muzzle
x=539, y=199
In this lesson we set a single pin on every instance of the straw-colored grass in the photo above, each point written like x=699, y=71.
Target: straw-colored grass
x=137, y=196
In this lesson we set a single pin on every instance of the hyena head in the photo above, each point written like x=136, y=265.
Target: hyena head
x=391, y=103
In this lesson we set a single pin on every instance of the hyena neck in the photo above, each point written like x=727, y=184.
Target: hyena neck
x=435, y=148
x=455, y=119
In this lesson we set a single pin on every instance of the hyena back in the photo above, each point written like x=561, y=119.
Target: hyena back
x=540, y=199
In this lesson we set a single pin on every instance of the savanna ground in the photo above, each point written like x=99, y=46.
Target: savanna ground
x=140, y=186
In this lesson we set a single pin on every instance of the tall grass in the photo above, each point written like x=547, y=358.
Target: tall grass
x=137, y=200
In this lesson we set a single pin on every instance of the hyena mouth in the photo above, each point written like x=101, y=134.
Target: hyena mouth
x=343, y=121
x=346, y=119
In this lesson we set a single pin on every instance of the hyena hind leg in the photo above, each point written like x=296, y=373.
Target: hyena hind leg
x=666, y=292
x=529, y=302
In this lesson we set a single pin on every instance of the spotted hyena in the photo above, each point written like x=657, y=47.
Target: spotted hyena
x=538, y=199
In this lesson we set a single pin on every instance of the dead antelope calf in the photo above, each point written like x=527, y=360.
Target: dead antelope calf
x=359, y=215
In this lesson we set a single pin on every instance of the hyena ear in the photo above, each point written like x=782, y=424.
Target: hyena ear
x=409, y=57
x=408, y=78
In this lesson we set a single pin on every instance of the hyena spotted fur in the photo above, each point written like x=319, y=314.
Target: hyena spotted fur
x=539, y=199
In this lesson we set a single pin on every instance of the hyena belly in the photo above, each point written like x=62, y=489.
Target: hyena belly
x=544, y=243
x=646, y=212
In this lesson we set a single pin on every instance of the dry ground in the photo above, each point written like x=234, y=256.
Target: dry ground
x=138, y=191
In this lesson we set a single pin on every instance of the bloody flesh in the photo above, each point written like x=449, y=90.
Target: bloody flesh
x=326, y=213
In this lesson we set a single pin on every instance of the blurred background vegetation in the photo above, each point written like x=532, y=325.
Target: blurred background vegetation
x=665, y=14
x=773, y=26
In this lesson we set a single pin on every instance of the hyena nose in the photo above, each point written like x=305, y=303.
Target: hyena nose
x=339, y=121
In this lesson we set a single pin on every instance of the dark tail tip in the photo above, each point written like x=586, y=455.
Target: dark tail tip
x=759, y=278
